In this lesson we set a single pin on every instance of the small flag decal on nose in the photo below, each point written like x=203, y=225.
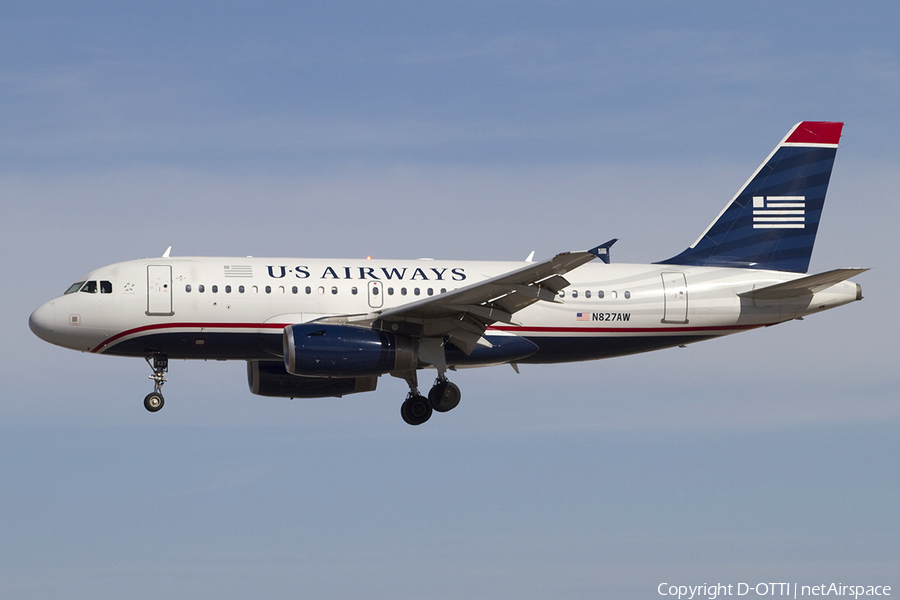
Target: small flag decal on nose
x=779, y=212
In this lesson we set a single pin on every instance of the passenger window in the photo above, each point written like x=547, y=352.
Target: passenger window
x=106, y=287
x=294, y=290
x=334, y=289
x=402, y=291
x=227, y=289
x=90, y=287
x=354, y=291
x=562, y=293
x=587, y=293
x=627, y=295
x=308, y=290
x=280, y=289
x=430, y=292
x=416, y=291
x=390, y=291
x=215, y=289
x=187, y=288
x=574, y=293
x=200, y=288
x=600, y=294
x=240, y=289
x=268, y=289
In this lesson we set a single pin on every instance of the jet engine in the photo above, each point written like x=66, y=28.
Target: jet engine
x=269, y=378
x=320, y=350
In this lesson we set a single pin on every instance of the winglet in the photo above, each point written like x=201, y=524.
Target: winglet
x=602, y=251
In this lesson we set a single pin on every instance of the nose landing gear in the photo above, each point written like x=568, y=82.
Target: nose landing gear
x=154, y=401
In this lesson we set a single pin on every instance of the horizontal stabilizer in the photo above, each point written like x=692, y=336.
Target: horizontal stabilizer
x=805, y=286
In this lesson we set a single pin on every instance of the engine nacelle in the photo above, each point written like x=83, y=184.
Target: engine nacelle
x=268, y=378
x=320, y=350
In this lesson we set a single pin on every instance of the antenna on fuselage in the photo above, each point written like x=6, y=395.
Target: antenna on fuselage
x=166, y=253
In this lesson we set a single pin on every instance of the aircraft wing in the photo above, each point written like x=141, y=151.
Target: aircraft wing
x=805, y=286
x=464, y=314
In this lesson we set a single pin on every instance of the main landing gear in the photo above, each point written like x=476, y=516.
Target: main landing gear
x=154, y=400
x=442, y=397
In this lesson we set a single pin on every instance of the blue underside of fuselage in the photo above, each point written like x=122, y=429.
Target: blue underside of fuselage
x=253, y=346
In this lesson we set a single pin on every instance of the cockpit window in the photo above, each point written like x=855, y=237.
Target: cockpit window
x=74, y=287
x=106, y=287
x=90, y=287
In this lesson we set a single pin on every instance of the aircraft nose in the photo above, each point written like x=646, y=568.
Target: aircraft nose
x=42, y=322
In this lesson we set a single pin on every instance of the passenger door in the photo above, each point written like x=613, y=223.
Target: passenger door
x=675, y=298
x=159, y=290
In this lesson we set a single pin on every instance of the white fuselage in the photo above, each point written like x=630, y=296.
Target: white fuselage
x=237, y=308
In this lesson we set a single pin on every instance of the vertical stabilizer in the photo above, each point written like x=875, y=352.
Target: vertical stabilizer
x=772, y=221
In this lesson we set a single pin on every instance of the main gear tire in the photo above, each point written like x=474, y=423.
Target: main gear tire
x=444, y=396
x=415, y=410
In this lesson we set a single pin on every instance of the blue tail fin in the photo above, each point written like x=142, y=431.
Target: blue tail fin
x=772, y=221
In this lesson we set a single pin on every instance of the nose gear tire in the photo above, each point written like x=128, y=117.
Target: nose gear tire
x=154, y=401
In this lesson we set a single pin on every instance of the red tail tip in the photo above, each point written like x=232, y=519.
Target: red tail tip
x=816, y=132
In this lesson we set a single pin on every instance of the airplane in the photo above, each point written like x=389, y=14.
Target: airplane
x=310, y=328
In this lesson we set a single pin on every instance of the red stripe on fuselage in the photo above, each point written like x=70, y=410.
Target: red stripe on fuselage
x=523, y=329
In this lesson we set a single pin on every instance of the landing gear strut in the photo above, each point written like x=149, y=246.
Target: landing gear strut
x=154, y=400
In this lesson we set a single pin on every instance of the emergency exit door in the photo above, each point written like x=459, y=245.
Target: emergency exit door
x=376, y=294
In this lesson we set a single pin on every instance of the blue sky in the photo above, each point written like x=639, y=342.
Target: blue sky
x=464, y=130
